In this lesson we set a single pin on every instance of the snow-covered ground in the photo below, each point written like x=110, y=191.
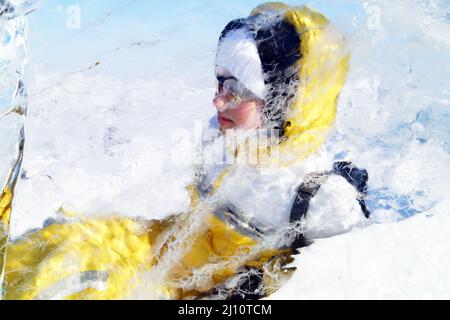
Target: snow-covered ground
x=402, y=260
x=101, y=142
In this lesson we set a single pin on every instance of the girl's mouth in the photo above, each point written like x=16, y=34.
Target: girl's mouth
x=223, y=120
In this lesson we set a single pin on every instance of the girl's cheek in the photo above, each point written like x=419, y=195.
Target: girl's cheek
x=241, y=116
x=245, y=116
x=249, y=115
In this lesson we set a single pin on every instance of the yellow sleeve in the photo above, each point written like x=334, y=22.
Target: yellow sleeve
x=94, y=259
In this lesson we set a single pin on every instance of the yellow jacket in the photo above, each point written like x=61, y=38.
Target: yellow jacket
x=186, y=255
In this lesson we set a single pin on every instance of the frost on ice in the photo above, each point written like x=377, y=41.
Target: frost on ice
x=13, y=109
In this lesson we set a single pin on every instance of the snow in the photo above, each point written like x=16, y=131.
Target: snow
x=100, y=141
x=403, y=260
x=108, y=150
x=334, y=210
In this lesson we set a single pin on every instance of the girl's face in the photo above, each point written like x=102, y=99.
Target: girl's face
x=246, y=115
x=242, y=113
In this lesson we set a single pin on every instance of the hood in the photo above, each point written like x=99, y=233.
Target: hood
x=295, y=60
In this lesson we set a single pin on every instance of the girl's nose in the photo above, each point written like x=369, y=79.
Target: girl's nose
x=221, y=101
